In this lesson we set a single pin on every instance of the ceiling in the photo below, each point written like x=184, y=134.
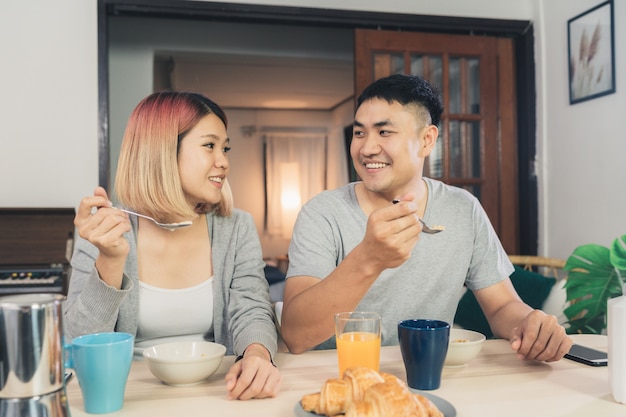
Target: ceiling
x=262, y=82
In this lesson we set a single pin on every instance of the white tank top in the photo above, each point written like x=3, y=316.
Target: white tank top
x=167, y=315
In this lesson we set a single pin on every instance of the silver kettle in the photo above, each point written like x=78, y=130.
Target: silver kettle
x=31, y=356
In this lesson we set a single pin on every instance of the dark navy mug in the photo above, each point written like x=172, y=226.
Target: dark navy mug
x=424, y=345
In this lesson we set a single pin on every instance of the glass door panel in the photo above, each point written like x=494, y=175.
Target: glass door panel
x=433, y=165
x=464, y=80
x=473, y=85
x=386, y=64
x=429, y=67
x=464, y=149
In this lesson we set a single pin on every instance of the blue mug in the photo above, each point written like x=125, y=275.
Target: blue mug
x=424, y=345
x=101, y=362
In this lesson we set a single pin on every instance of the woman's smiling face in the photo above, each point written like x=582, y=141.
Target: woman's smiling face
x=203, y=161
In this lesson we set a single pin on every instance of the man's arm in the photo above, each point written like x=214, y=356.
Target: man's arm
x=533, y=334
x=310, y=303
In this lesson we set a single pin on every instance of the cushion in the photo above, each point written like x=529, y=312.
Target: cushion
x=533, y=289
x=556, y=302
x=273, y=274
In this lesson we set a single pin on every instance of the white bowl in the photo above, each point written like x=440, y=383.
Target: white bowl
x=464, y=346
x=184, y=363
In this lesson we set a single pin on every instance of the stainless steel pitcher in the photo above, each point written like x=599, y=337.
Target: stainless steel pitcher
x=31, y=356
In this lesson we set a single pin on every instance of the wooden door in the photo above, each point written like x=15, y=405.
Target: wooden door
x=476, y=149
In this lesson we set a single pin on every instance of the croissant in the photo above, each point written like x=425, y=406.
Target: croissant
x=337, y=394
x=366, y=393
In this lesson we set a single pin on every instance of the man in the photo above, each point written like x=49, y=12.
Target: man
x=352, y=249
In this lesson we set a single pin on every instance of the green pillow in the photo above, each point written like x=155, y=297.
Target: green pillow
x=533, y=288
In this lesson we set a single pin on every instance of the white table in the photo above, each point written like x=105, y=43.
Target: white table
x=496, y=383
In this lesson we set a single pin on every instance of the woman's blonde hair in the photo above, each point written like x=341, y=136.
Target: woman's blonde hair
x=147, y=178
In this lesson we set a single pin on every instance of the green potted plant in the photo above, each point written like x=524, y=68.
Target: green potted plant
x=595, y=274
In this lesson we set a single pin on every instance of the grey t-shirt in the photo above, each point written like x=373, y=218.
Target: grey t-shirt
x=426, y=286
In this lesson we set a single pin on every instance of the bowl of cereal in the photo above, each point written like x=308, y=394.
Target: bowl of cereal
x=184, y=363
x=464, y=346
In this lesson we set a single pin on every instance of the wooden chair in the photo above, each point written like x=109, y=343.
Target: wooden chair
x=547, y=266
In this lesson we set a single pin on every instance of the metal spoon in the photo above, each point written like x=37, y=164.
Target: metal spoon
x=425, y=228
x=431, y=230
x=168, y=226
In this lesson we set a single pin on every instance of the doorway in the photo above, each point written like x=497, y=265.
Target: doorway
x=521, y=33
x=476, y=145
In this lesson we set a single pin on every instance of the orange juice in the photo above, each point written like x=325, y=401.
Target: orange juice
x=358, y=349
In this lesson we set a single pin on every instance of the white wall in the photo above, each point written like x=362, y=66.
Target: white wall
x=49, y=110
x=48, y=103
x=582, y=147
x=493, y=9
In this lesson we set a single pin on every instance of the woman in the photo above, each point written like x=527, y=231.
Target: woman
x=204, y=281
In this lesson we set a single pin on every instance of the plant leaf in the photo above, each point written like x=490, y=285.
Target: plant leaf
x=618, y=253
x=586, y=326
x=591, y=281
x=594, y=44
x=589, y=257
x=583, y=49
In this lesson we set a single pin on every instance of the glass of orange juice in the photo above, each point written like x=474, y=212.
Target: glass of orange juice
x=358, y=340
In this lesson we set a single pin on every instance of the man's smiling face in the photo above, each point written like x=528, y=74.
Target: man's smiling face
x=387, y=146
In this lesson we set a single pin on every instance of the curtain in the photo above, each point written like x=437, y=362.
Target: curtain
x=295, y=171
x=336, y=160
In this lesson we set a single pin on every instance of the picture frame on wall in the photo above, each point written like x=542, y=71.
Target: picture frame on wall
x=591, y=53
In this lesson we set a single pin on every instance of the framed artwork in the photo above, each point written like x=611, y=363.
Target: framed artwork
x=591, y=51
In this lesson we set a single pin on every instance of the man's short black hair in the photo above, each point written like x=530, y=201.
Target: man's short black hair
x=405, y=89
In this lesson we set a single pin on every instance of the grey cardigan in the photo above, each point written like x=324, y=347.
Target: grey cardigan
x=242, y=312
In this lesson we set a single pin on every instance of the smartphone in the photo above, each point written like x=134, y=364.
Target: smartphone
x=588, y=356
